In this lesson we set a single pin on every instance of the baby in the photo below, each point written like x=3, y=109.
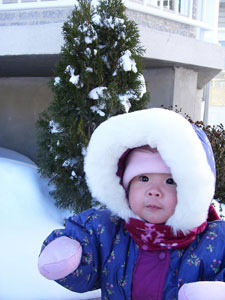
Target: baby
x=151, y=190
x=159, y=237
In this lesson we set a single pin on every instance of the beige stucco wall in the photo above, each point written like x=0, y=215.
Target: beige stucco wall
x=161, y=24
x=175, y=87
x=21, y=101
x=217, y=100
x=186, y=94
x=160, y=83
x=217, y=90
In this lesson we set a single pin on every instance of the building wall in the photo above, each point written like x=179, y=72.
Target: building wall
x=216, y=115
x=217, y=90
x=186, y=94
x=217, y=100
x=21, y=101
x=175, y=87
x=221, y=21
x=160, y=83
x=161, y=24
x=36, y=32
x=216, y=111
x=59, y=15
x=34, y=16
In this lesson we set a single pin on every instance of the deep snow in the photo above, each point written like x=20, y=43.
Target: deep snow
x=27, y=216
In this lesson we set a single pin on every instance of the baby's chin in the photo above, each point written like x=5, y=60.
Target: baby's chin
x=153, y=223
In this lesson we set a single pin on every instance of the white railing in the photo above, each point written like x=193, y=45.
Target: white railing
x=204, y=20
x=27, y=4
x=176, y=10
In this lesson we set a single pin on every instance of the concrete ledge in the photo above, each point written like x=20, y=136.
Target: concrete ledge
x=175, y=48
x=32, y=50
x=28, y=65
x=43, y=66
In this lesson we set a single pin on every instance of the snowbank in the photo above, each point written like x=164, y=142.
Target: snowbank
x=27, y=216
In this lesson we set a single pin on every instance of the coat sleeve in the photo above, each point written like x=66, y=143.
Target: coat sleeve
x=216, y=237
x=81, y=229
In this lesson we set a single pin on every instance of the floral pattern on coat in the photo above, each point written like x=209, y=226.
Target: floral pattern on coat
x=109, y=256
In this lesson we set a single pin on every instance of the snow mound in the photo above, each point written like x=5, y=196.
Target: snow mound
x=27, y=216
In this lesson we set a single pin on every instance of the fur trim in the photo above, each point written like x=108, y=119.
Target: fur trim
x=180, y=148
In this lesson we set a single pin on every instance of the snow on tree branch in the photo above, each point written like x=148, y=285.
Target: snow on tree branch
x=128, y=63
x=97, y=92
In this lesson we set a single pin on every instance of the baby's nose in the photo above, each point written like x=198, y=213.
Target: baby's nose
x=154, y=192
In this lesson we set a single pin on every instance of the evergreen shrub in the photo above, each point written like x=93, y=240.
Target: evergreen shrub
x=98, y=76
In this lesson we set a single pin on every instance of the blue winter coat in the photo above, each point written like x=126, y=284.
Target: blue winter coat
x=109, y=256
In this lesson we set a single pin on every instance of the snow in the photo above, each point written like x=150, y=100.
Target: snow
x=66, y=163
x=76, y=41
x=122, y=36
x=127, y=63
x=89, y=40
x=28, y=215
x=91, y=34
x=105, y=59
x=88, y=69
x=110, y=22
x=114, y=73
x=220, y=208
x=73, y=174
x=124, y=100
x=84, y=151
x=95, y=3
x=97, y=92
x=87, y=52
x=56, y=81
x=69, y=162
x=74, y=79
x=97, y=110
x=143, y=85
x=55, y=127
x=101, y=46
x=96, y=19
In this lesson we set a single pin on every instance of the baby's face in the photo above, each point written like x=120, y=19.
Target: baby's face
x=153, y=197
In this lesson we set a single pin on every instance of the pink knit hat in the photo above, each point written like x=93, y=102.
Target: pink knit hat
x=143, y=160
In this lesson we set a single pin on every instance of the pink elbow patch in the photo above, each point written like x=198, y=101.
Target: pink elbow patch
x=60, y=258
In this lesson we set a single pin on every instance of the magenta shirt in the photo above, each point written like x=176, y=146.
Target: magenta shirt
x=149, y=274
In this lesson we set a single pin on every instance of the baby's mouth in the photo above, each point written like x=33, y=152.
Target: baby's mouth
x=153, y=207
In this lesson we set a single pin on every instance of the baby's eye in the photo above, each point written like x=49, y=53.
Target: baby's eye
x=170, y=181
x=144, y=178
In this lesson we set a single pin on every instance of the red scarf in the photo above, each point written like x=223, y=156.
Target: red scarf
x=157, y=237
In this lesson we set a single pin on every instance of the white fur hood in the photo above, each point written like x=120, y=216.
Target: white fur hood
x=180, y=148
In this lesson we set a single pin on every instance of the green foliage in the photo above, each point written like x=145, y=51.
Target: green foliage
x=101, y=50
